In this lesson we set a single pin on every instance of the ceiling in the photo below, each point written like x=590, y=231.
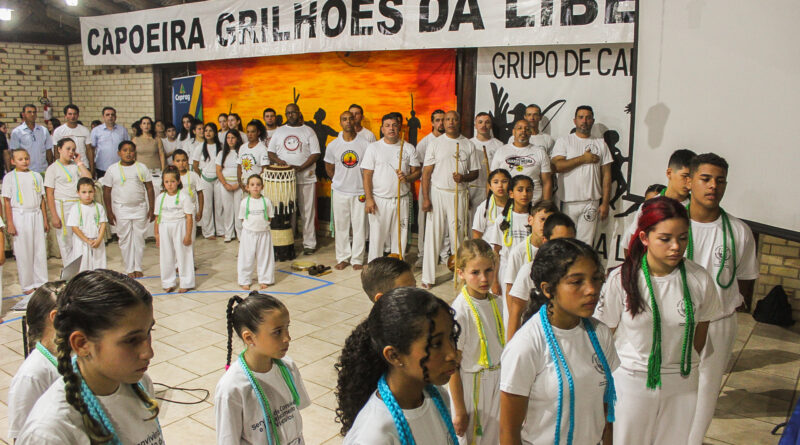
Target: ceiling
x=52, y=21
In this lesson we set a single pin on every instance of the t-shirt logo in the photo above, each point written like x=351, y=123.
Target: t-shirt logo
x=350, y=159
x=248, y=161
x=520, y=161
x=291, y=143
x=593, y=148
x=362, y=198
x=718, y=256
x=590, y=214
x=597, y=364
x=682, y=309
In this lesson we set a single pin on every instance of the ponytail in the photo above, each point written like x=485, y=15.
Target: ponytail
x=229, y=316
x=248, y=313
x=505, y=224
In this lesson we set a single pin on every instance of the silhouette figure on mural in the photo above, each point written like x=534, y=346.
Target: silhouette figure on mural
x=414, y=125
x=322, y=131
x=617, y=176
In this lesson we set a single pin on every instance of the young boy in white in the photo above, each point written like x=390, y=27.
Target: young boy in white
x=27, y=221
x=255, y=244
x=725, y=247
x=451, y=162
x=129, y=198
x=296, y=144
x=381, y=181
x=520, y=157
x=88, y=221
x=173, y=229
x=583, y=164
x=191, y=183
x=61, y=188
x=343, y=164
x=252, y=155
x=486, y=145
x=228, y=184
x=204, y=163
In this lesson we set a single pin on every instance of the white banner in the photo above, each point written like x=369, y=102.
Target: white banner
x=224, y=29
x=559, y=79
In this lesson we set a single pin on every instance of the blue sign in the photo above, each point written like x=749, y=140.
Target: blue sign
x=187, y=97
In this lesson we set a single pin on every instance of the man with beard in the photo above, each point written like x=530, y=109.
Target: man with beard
x=271, y=122
x=520, y=157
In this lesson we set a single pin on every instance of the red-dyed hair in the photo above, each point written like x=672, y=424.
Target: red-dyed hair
x=654, y=211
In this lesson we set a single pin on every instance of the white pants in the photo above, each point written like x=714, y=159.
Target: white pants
x=64, y=235
x=255, y=252
x=584, y=215
x=443, y=219
x=29, y=248
x=131, y=242
x=713, y=363
x=91, y=258
x=211, y=223
x=305, y=208
x=228, y=205
x=488, y=407
x=653, y=416
x=476, y=196
x=172, y=254
x=348, y=213
x=421, y=217
x=383, y=225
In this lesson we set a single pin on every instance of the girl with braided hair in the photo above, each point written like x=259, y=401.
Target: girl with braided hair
x=555, y=380
x=660, y=305
x=390, y=368
x=103, y=325
x=259, y=398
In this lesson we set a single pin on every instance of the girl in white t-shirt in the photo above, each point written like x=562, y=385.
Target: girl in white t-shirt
x=556, y=371
x=204, y=164
x=390, y=368
x=660, y=305
x=191, y=183
x=259, y=398
x=227, y=164
x=103, y=324
x=39, y=370
x=173, y=232
x=88, y=222
x=475, y=389
x=255, y=244
x=487, y=211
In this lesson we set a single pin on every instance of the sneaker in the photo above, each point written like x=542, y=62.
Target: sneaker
x=307, y=251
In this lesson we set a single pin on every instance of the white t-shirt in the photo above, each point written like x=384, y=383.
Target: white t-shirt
x=252, y=160
x=528, y=370
x=486, y=218
x=170, y=147
x=583, y=182
x=364, y=134
x=53, y=420
x=173, y=208
x=32, y=379
x=631, y=229
x=238, y=412
x=374, y=424
x=127, y=184
x=442, y=156
x=269, y=137
x=87, y=218
x=255, y=220
x=383, y=159
x=516, y=258
x=422, y=146
x=208, y=167
x=530, y=161
x=708, y=253
x=518, y=232
x=64, y=184
x=80, y=135
x=346, y=158
x=523, y=284
x=469, y=341
x=230, y=168
x=543, y=140
x=190, y=182
x=31, y=188
x=491, y=146
x=294, y=145
x=634, y=335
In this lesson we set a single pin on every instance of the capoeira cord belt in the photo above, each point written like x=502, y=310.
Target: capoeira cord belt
x=508, y=236
x=271, y=427
x=492, y=209
x=97, y=214
x=161, y=206
x=189, y=184
x=36, y=186
x=63, y=215
x=485, y=360
x=40, y=347
x=528, y=250
x=138, y=172
x=726, y=228
x=560, y=362
x=654, y=361
x=64, y=169
x=96, y=410
x=247, y=208
x=400, y=421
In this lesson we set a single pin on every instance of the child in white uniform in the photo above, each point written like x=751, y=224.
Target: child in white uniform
x=475, y=389
x=27, y=220
x=191, y=183
x=660, y=306
x=524, y=252
x=227, y=162
x=259, y=398
x=60, y=185
x=39, y=370
x=255, y=244
x=96, y=310
x=129, y=198
x=173, y=231
x=204, y=164
x=488, y=210
x=556, y=377
x=88, y=222
x=403, y=350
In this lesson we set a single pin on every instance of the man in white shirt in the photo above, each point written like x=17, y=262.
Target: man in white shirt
x=533, y=115
x=271, y=122
x=296, y=144
x=437, y=129
x=33, y=138
x=583, y=164
x=486, y=145
x=358, y=116
x=73, y=130
x=450, y=164
x=523, y=158
x=382, y=177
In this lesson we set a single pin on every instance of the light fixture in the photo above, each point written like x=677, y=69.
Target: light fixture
x=72, y=2
x=5, y=14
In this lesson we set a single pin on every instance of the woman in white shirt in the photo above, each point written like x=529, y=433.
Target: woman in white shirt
x=204, y=164
x=227, y=162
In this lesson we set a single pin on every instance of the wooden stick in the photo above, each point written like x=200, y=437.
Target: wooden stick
x=455, y=241
x=486, y=161
x=399, y=184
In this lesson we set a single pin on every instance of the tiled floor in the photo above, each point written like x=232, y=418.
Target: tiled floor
x=190, y=342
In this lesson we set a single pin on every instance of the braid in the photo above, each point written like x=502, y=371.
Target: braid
x=149, y=402
x=233, y=300
x=489, y=195
x=504, y=224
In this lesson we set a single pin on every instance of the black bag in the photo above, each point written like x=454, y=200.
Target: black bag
x=774, y=308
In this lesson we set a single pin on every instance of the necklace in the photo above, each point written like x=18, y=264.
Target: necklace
x=96, y=214
x=266, y=410
x=46, y=353
x=400, y=421
x=726, y=228
x=485, y=360
x=264, y=202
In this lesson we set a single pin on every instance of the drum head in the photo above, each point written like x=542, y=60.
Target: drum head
x=302, y=265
